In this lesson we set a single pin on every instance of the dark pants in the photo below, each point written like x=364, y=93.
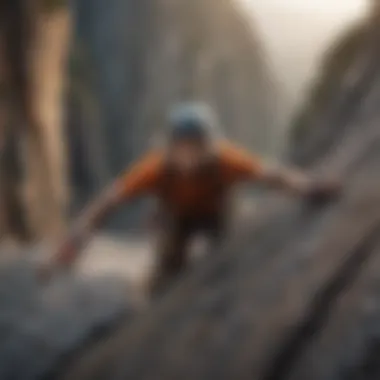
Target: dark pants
x=174, y=242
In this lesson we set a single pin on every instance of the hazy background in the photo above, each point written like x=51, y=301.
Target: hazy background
x=295, y=34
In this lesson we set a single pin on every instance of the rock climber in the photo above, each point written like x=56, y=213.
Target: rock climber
x=191, y=176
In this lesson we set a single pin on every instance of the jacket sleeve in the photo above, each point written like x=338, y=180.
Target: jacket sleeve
x=240, y=165
x=142, y=178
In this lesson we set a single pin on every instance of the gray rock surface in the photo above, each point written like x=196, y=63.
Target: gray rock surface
x=295, y=294
x=41, y=327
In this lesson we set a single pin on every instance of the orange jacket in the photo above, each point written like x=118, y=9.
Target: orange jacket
x=190, y=195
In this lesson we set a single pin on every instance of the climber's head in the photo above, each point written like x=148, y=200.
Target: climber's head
x=191, y=135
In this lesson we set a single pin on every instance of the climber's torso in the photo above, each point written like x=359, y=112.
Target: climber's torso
x=200, y=192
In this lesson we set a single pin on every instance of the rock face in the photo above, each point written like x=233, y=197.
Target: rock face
x=34, y=42
x=147, y=55
x=296, y=295
x=338, y=61
x=41, y=328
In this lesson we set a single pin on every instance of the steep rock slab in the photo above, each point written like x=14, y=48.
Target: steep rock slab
x=266, y=307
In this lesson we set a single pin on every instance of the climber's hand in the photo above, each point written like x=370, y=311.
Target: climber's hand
x=323, y=190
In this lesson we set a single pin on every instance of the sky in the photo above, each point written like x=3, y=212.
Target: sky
x=297, y=32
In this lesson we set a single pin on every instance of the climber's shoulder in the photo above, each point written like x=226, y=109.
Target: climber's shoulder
x=148, y=165
x=232, y=154
x=154, y=159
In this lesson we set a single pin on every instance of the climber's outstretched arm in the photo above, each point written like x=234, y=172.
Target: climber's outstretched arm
x=290, y=180
x=141, y=178
x=245, y=166
x=95, y=214
x=93, y=217
x=298, y=183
